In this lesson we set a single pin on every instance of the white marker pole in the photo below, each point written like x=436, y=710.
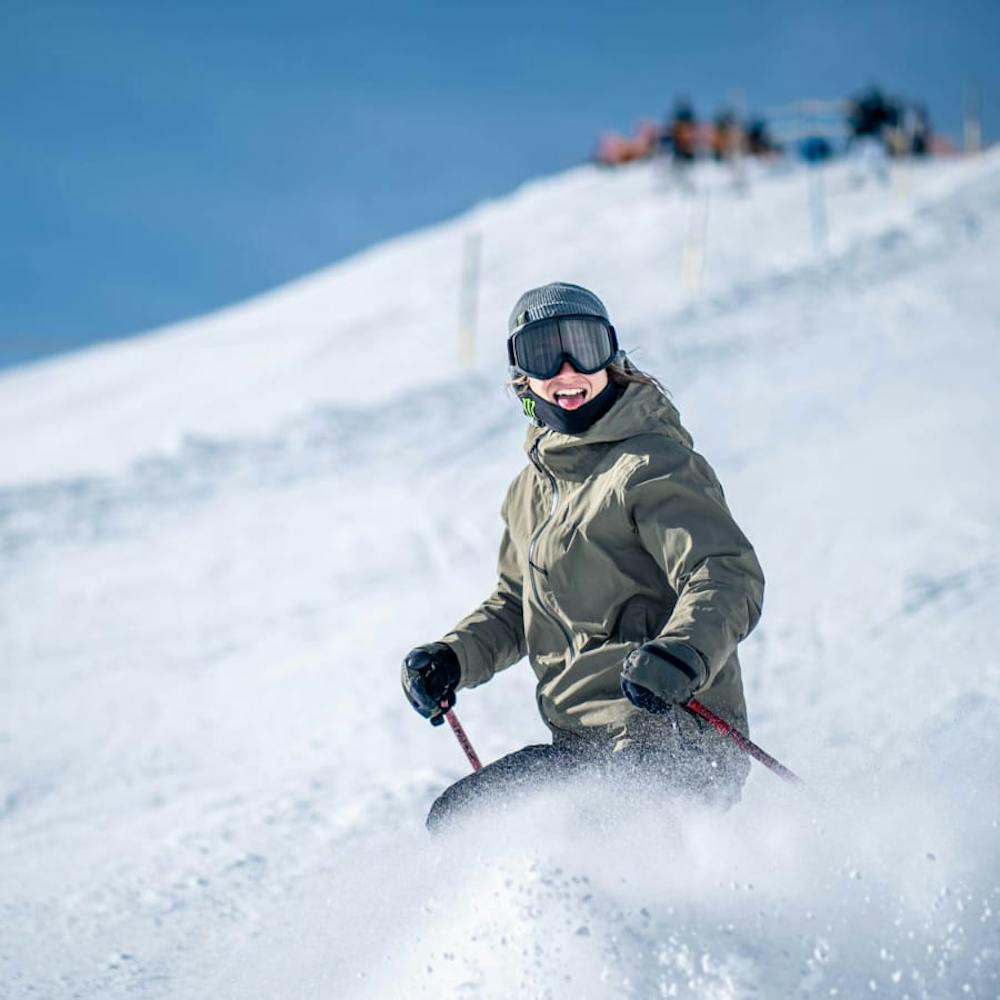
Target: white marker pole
x=817, y=206
x=695, y=245
x=468, y=300
x=973, y=130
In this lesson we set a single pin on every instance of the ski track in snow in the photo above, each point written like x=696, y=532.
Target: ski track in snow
x=210, y=785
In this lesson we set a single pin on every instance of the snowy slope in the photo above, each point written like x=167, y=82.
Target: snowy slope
x=219, y=540
x=392, y=313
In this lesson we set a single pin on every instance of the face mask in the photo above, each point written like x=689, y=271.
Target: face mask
x=571, y=421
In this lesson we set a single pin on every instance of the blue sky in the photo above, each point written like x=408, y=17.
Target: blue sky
x=161, y=160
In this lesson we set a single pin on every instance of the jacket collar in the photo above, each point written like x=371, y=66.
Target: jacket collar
x=641, y=409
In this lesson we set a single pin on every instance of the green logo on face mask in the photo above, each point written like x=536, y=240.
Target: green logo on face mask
x=529, y=408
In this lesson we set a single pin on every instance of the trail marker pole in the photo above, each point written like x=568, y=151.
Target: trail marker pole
x=738, y=150
x=695, y=244
x=468, y=300
x=900, y=173
x=972, y=132
x=817, y=206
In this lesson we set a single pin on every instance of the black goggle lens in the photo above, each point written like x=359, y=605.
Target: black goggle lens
x=588, y=344
x=540, y=349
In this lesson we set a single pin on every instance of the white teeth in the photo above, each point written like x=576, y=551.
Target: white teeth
x=571, y=392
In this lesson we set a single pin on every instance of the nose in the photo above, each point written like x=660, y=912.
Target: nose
x=567, y=369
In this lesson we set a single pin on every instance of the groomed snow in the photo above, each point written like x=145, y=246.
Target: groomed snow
x=218, y=541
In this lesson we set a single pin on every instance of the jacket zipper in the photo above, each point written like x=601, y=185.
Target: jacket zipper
x=537, y=462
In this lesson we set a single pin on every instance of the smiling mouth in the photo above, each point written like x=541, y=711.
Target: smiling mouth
x=570, y=399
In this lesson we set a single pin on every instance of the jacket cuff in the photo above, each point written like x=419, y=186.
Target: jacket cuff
x=466, y=654
x=690, y=661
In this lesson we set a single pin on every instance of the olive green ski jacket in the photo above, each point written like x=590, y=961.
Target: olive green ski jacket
x=612, y=538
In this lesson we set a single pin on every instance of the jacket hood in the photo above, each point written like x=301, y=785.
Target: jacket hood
x=641, y=409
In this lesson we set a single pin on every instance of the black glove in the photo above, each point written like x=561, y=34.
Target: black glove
x=430, y=675
x=657, y=676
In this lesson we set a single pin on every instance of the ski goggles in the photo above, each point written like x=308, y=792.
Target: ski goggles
x=540, y=348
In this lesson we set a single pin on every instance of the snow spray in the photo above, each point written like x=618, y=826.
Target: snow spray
x=743, y=742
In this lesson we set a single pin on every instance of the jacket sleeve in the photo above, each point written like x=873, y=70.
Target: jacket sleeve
x=491, y=638
x=680, y=514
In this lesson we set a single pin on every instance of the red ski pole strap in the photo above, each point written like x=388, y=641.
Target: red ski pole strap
x=744, y=743
x=463, y=740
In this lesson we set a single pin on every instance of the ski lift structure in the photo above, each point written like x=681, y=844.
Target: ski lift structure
x=817, y=130
x=810, y=126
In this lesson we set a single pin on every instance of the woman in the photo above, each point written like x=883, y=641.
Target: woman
x=622, y=575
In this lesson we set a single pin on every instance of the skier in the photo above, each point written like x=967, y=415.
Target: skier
x=682, y=132
x=622, y=576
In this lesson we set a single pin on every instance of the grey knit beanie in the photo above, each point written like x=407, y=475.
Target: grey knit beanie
x=559, y=298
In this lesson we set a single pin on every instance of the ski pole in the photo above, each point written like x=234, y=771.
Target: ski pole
x=744, y=743
x=463, y=740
